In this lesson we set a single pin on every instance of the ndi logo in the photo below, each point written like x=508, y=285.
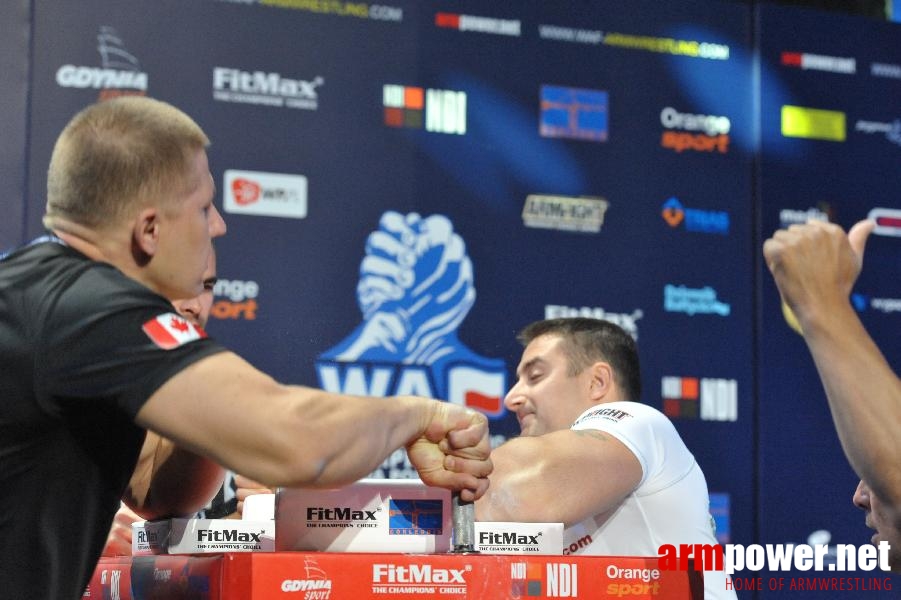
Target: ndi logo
x=711, y=399
x=444, y=111
x=553, y=580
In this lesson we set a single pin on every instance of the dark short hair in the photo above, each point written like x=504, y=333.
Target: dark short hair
x=586, y=341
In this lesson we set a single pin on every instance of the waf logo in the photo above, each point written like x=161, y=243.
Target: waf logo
x=416, y=286
x=551, y=580
x=169, y=331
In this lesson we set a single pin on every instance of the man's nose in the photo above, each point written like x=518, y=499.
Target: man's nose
x=190, y=310
x=217, y=223
x=514, y=398
x=861, y=497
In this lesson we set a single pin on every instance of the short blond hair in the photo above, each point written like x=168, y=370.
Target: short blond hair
x=115, y=156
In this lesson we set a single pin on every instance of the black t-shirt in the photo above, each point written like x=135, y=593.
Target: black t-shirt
x=82, y=347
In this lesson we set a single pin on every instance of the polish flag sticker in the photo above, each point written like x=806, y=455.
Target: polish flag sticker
x=169, y=331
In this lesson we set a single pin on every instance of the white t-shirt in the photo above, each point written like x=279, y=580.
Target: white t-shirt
x=670, y=504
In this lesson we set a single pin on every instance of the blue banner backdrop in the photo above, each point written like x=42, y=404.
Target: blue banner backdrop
x=840, y=75
x=15, y=31
x=406, y=185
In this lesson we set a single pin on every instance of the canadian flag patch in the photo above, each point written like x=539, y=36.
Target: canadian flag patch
x=169, y=331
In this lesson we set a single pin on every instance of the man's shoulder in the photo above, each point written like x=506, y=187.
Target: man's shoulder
x=58, y=282
x=622, y=412
x=47, y=262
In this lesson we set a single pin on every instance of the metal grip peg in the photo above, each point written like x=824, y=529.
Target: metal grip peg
x=463, y=516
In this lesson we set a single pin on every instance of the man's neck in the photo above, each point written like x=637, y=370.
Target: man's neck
x=80, y=242
x=108, y=247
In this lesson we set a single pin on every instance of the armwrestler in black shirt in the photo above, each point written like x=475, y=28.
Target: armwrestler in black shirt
x=93, y=354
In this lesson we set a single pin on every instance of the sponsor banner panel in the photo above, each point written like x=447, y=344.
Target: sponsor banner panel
x=330, y=576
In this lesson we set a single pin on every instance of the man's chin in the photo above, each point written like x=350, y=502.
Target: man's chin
x=527, y=432
x=527, y=425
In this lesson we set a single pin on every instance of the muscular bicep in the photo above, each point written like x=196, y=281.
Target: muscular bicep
x=223, y=408
x=564, y=476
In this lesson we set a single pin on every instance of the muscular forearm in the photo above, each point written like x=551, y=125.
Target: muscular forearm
x=170, y=481
x=560, y=477
x=518, y=491
x=283, y=435
x=543, y=479
x=864, y=396
x=303, y=436
x=328, y=440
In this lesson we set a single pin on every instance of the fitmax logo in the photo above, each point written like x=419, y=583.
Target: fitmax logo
x=146, y=537
x=318, y=513
x=229, y=535
x=507, y=538
x=388, y=573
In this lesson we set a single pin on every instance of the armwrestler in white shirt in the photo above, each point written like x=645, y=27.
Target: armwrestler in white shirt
x=615, y=472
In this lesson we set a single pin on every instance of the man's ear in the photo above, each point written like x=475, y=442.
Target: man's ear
x=145, y=235
x=602, y=383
